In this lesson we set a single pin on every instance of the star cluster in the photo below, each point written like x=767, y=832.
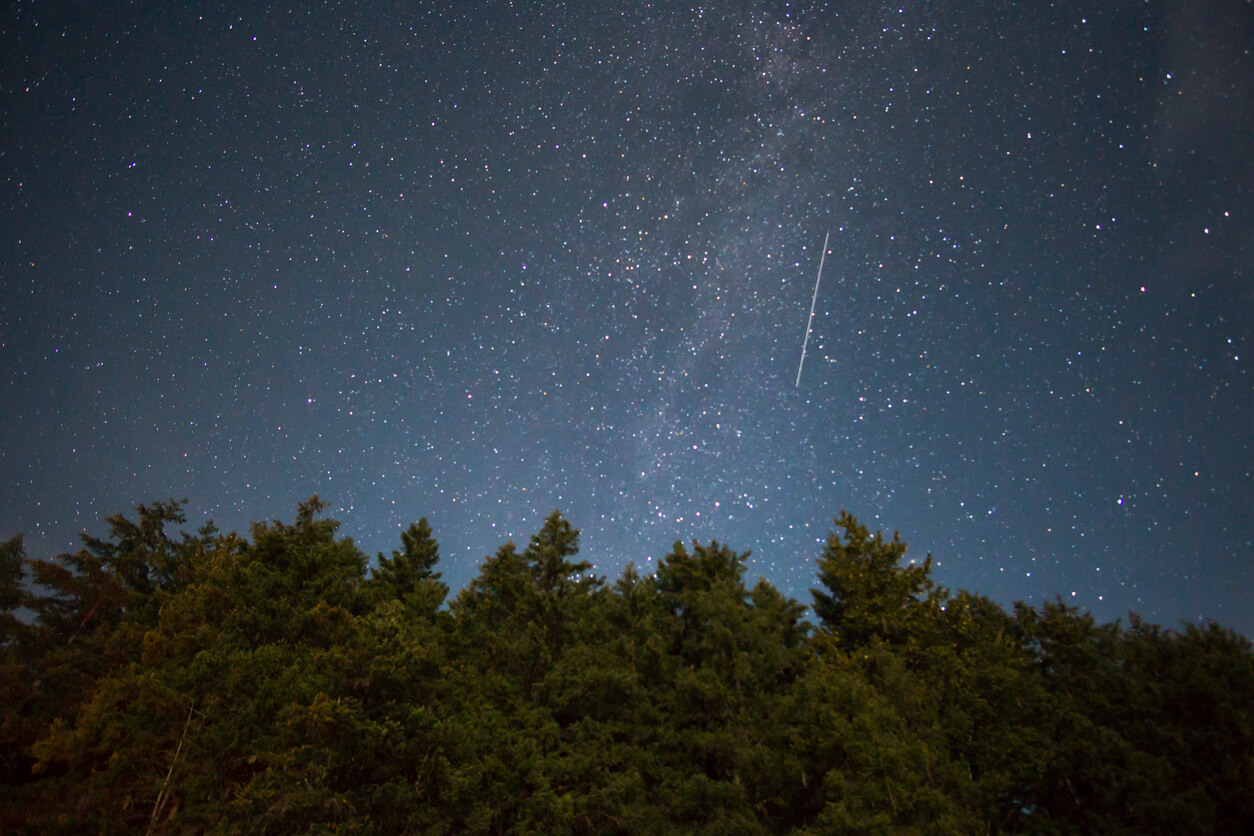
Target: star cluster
x=478, y=262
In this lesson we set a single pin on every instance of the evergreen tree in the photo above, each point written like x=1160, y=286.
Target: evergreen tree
x=12, y=587
x=191, y=685
x=94, y=587
x=237, y=705
x=89, y=609
x=725, y=656
x=522, y=629
x=1150, y=731
x=15, y=675
x=410, y=573
x=951, y=670
x=547, y=555
x=868, y=594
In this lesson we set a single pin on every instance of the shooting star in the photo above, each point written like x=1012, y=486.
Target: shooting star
x=813, y=298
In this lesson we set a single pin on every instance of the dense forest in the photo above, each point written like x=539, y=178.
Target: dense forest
x=159, y=682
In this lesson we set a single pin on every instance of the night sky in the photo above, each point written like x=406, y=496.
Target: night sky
x=477, y=261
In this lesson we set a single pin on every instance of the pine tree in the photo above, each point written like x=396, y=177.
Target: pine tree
x=952, y=671
x=868, y=594
x=547, y=555
x=409, y=574
x=12, y=587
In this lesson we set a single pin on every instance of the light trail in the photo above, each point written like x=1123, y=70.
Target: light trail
x=813, y=298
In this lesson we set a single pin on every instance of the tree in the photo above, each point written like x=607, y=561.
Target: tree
x=89, y=611
x=237, y=698
x=183, y=686
x=523, y=636
x=547, y=553
x=724, y=658
x=95, y=586
x=950, y=668
x=868, y=594
x=12, y=590
x=15, y=682
x=1148, y=730
x=409, y=574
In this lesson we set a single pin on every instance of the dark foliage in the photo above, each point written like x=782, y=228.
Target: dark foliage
x=211, y=684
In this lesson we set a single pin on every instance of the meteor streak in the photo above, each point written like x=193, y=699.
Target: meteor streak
x=813, y=298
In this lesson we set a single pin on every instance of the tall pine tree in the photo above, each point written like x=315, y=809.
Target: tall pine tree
x=868, y=594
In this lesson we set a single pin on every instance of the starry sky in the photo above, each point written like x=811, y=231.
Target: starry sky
x=477, y=261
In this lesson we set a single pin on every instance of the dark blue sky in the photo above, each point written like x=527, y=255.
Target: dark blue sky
x=475, y=265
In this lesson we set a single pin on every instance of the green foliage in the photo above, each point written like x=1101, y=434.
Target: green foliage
x=12, y=560
x=213, y=684
x=547, y=555
x=868, y=595
x=409, y=574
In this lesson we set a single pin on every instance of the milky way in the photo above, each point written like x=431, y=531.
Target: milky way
x=476, y=265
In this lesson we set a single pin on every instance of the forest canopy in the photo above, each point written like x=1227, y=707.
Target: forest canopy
x=159, y=681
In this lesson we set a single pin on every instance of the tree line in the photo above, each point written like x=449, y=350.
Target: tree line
x=279, y=683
